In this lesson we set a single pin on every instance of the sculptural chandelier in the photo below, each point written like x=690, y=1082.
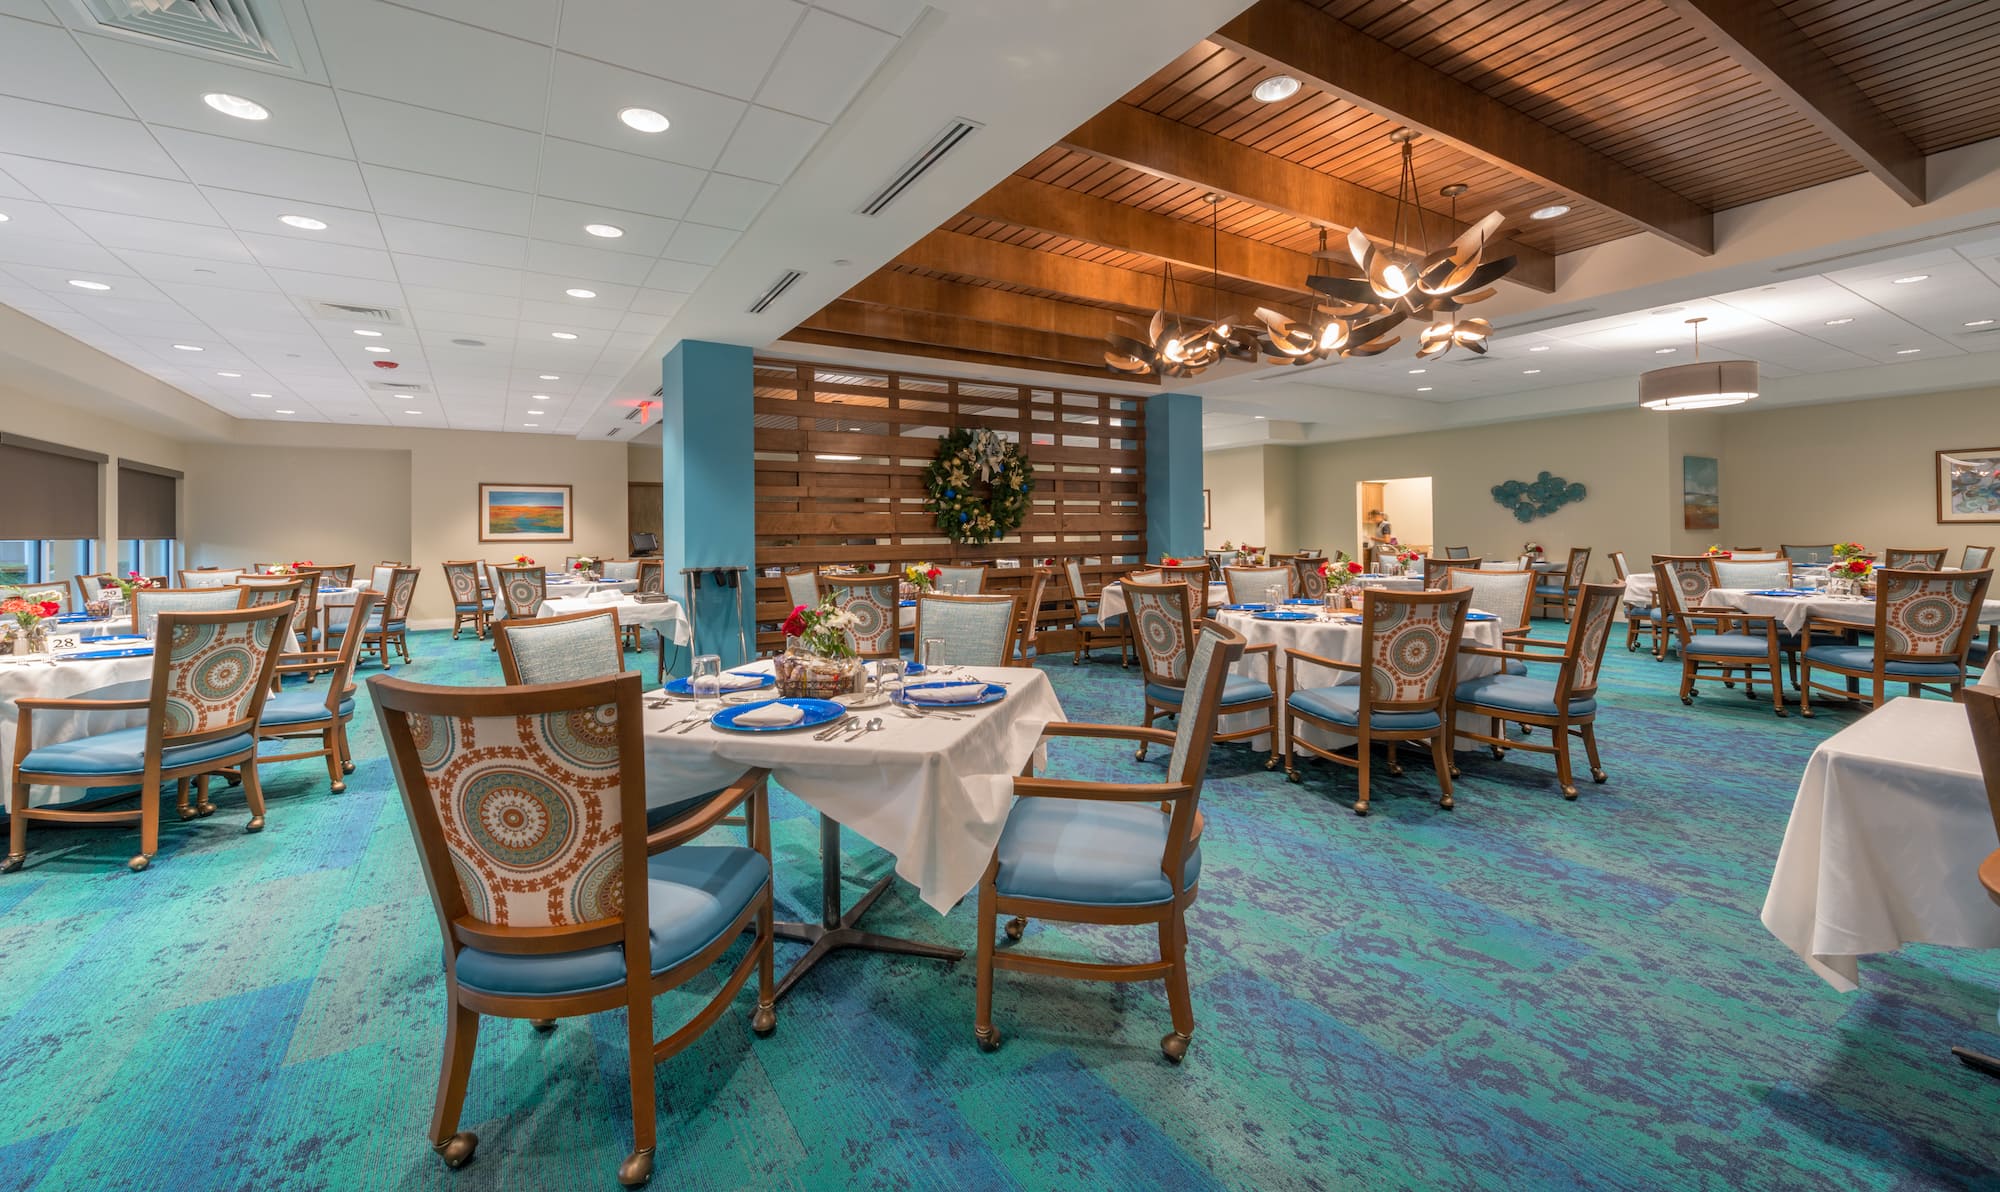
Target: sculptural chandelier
x=1174, y=346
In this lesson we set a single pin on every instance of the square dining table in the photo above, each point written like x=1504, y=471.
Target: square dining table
x=932, y=789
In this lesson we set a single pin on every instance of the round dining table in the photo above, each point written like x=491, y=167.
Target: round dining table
x=62, y=677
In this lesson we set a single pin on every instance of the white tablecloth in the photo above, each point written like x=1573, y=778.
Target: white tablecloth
x=584, y=587
x=1791, y=611
x=664, y=615
x=101, y=678
x=1111, y=601
x=1884, y=843
x=1391, y=583
x=934, y=792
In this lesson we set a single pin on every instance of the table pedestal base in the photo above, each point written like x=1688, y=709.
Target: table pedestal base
x=837, y=928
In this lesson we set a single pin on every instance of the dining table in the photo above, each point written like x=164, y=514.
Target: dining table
x=1111, y=601
x=932, y=787
x=1797, y=605
x=63, y=676
x=665, y=616
x=1884, y=843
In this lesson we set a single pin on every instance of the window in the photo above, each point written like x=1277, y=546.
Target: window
x=147, y=556
x=46, y=560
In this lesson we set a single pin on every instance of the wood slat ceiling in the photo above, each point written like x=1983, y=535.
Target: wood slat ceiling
x=1932, y=66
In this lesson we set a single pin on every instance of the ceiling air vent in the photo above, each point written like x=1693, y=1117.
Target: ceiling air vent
x=613, y=432
x=944, y=142
x=776, y=291
x=349, y=311
x=398, y=386
x=253, y=29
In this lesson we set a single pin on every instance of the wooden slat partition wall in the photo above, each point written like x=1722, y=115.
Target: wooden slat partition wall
x=1087, y=449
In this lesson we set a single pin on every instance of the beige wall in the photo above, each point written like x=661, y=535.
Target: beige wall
x=353, y=505
x=1698, y=432
x=1281, y=483
x=1235, y=483
x=1406, y=502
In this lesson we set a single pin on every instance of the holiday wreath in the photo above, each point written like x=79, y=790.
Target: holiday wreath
x=978, y=485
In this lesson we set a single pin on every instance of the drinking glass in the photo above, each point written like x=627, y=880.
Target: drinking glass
x=1274, y=596
x=934, y=655
x=705, y=681
x=889, y=679
x=150, y=626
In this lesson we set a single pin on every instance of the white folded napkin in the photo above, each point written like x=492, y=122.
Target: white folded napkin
x=957, y=693
x=732, y=681
x=770, y=714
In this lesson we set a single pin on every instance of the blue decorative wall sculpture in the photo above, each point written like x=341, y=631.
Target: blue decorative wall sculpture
x=1530, y=499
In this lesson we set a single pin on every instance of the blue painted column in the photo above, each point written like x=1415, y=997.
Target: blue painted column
x=1173, y=475
x=708, y=480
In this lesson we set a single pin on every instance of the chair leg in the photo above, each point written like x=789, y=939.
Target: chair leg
x=1589, y=730
x=983, y=1029
x=346, y=750
x=765, y=1019
x=329, y=742
x=181, y=799
x=1805, y=689
x=253, y=794
x=1441, y=758
x=1361, y=756
x=1139, y=754
x=149, y=829
x=1173, y=950
x=202, y=807
x=17, y=826
x=1395, y=767
x=461, y=1037
x=638, y=1166
x=1564, y=777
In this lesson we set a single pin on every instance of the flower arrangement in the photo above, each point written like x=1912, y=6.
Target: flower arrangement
x=28, y=609
x=1843, y=551
x=1532, y=548
x=584, y=563
x=291, y=568
x=1409, y=556
x=970, y=459
x=1339, y=571
x=921, y=576
x=1226, y=547
x=1167, y=560
x=523, y=561
x=1718, y=551
x=132, y=582
x=1859, y=569
x=822, y=629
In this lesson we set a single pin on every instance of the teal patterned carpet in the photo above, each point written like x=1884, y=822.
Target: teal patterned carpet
x=1522, y=993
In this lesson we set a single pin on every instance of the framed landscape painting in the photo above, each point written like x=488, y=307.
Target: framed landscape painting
x=1968, y=485
x=524, y=513
x=1701, y=493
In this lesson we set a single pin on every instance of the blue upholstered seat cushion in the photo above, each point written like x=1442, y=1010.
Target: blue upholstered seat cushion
x=1981, y=650
x=300, y=705
x=1096, y=854
x=1550, y=590
x=1862, y=658
x=1517, y=693
x=1236, y=689
x=1091, y=621
x=1342, y=705
x=693, y=894
x=1727, y=645
x=123, y=751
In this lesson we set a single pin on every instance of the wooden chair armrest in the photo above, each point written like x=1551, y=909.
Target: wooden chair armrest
x=1122, y=732
x=682, y=830
x=1518, y=656
x=1103, y=792
x=30, y=702
x=1292, y=656
x=1262, y=648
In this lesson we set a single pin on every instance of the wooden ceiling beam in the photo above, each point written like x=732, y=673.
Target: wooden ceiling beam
x=959, y=300
x=805, y=334
x=912, y=327
x=1010, y=264
x=1765, y=42
x=1295, y=38
x=1166, y=148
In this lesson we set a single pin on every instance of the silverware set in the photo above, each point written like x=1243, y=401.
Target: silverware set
x=852, y=728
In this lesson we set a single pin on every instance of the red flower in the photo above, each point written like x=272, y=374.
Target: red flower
x=1858, y=566
x=795, y=625
x=933, y=574
x=50, y=608
x=1170, y=562
x=132, y=575
x=1322, y=570
x=1354, y=568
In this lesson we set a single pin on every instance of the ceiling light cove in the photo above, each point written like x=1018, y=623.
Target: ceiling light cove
x=284, y=411
x=538, y=397
x=579, y=293
x=1664, y=351
x=236, y=105
x=1911, y=280
x=80, y=284
x=4, y=217
x=1425, y=388
x=1529, y=372
x=1908, y=351
x=1552, y=211
x=1539, y=348
x=260, y=395
x=644, y=120
x=608, y=231
x=562, y=335
x=1275, y=88
x=303, y=222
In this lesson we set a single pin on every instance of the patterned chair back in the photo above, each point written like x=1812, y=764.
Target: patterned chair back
x=523, y=590
x=462, y=576
x=1247, y=584
x=1739, y=573
x=1503, y=593
x=339, y=683
x=211, y=671
x=974, y=579
x=802, y=587
x=402, y=590
x=1579, y=564
x=977, y=630
x=1438, y=571
x=210, y=577
x=1925, y=616
x=1589, y=631
x=562, y=649
x=1306, y=579
x=877, y=631
x=1215, y=650
x=259, y=590
x=1457, y=552
x=1807, y=556
x=1195, y=576
x=151, y=602
x=1906, y=558
x=653, y=577
x=337, y=575
x=1145, y=575
x=1409, y=648
x=1682, y=582
x=520, y=804
x=1163, y=628
x=1975, y=558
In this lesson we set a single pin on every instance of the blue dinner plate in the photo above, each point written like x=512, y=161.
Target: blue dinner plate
x=137, y=652
x=1247, y=608
x=906, y=604
x=1302, y=600
x=116, y=637
x=1352, y=618
x=1284, y=616
x=685, y=687
x=66, y=618
x=1782, y=592
x=817, y=711
x=1481, y=617
x=914, y=694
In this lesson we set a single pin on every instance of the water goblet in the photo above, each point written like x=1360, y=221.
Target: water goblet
x=889, y=679
x=705, y=681
x=934, y=656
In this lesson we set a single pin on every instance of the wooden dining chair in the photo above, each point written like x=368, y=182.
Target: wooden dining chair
x=1028, y=637
x=560, y=649
x=1306, y=579
x=1457, y=552
x=972, y=577
x=1438, y=571
x=1642, y=618
x=468, y=602
x=976, y=630
x=259, y=589
x=211, y=675
x=1752, y=573
x=337, y=575
x=389, y=628
x=89, y=587
x=581, y=910
x=299, y=713
x=151, y=602
x=1982, y=712
x=1908, y=558
x=1163, y=633
x=1112, y=853
x=1716, y=638
x=1565, y=704
x=1195, y=576
x=1753, y=554
x=1247, y=584
x=877, y=631
x=1090, y=628
x=1562, y=592
x=1505, y=594
x=1925, y=621
x=523, y=591
x=207, y=577
x=1975, y=558
x=802, y=587
x=1402, y=692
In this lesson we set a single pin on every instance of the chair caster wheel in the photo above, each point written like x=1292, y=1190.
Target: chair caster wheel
x=1807, y=713
x=204, y=810
x=339, y=788
x=1015, y=926
x=1271, y=763
x=256, y=824
x=1446, y=803
x=457, y=1150
x=1396, y=771
x=347, y=767
x=1598, y=776
x=1292, y=775
x=1687, y=701
x=13, y=862
x=1454, y=771
x=1569, y=792
x=1781, y=712
x=1174, y=1046
x=764, y=1019
x=637, y=1168
x=1496, y=751
x=140, y=863
x=988, y=1036
x=187, y=815
x=1139, y=755
x=236, y=780
x=543, y=1026
x=1360, y=809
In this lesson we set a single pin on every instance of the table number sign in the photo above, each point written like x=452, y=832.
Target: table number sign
x=59, y=642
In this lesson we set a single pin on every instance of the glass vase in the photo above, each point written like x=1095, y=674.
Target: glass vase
x=805, y=673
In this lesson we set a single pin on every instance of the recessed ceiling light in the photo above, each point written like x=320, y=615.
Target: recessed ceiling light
x=1664, y=351
x=1552, y=211
x=4, y=217
x=81, y=284
x=1424, y=388
x=608, y=231
x=581, y=293
x=1980, y=323
x=532, y=425
x=369, y=334
x=1911, y=280
x=186, y=348
x=416, y=412
x=1275, y=88
x=538, y=397
x=643, y=119
x=406, y=397
x=563, y=334
x=376, y=348
x=284, y=411
x=470, y=343
x=1908, y=351
x=1529, y=372
x=1839, y=322
x=235, y=105
x=260, y=395
x=1539, y=348
x=1260, y=418
x=306, y=222
x=224, y=374
x=550, y=377
x=1415, y=371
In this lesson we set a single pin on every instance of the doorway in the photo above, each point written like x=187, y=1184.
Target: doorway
x=1404, y=503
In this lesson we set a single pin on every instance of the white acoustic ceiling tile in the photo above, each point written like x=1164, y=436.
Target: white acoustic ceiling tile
x=129, y=294
x=572, y=314
x=550, y=287
x=53, y=133
x=441, y=274
x=628, y=343
x=11, y=188
x=30, y=10
x=411, y=138
x=114, y=230
x=169, y=267
x=266, y=169
x=824, y=66
x=890, y=16
x=395, y=53
x=587, y=96
x=563, y=222
x=529, y=20
x=110, y=190
x=587, y=264
x=29, y=220
x=718, y=47
x=326, y=287
x=768, y=145
x=648, y=325
x=263, y=213
x=589, y=174
x=340, y=260
x=664, y=303
x=452, y=242
x=498, y=306
x=165, y=88
x=700, y=243
x=29, y=300
x=679, y=276
x=730, y=202
x=447, y=200
x=42, y=62
x=437, y=328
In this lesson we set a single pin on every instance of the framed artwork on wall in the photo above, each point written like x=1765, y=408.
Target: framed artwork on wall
x=525, y=513
x=1207, y=522
x=1968, y=485
x=1701, y=492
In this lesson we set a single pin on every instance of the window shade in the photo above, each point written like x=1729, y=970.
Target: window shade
x=51, y=490
x=146, y=497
